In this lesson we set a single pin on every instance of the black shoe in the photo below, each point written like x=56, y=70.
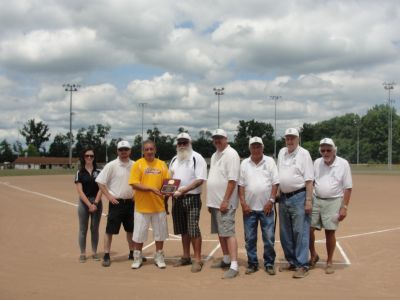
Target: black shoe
x=251, y=269
x=270, y=270
x=106, y=262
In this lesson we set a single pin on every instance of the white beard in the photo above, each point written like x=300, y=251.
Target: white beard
x=184, y=153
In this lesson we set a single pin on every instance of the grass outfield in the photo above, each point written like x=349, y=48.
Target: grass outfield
x=381, y=169
x=32, y=172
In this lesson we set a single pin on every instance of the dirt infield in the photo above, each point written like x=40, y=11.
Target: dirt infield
x=39, y=252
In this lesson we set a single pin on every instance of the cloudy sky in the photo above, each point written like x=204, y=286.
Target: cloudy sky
x=324, y=58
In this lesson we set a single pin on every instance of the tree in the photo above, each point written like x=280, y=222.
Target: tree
x=204, y=144
x=93, y=136
x=60, y=146
x=35, y=133
x=6, y=153
x=248, y=129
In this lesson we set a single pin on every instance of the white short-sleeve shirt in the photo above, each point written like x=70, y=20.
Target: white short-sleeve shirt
x=189, y=170
x=331, y=181
x=257, y=180
x=224, y=166
x=115, y=176
x=294, y=169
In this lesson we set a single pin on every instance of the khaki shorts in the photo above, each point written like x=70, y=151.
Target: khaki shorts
x=223, y=224
x=325, y=213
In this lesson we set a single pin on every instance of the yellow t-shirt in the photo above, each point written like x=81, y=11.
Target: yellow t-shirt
x=150, y=174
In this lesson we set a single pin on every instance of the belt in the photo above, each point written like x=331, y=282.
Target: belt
x=291, y=194
x=124, y=200
x=327, y=198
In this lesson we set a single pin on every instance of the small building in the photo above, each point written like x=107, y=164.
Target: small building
x=41, y=162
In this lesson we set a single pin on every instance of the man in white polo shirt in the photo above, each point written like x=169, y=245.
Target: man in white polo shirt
x=258, y=184
x=222, y=200
x=191, y=168
x=296, y=175
x=113, y=182
x=332, y=191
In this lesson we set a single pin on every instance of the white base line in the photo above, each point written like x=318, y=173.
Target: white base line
x=71, y=204
x=346, y=258
x=212, y=252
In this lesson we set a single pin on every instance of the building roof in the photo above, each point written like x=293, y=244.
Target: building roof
x=42, y=160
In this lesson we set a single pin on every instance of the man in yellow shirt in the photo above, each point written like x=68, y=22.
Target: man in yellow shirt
x=147, y=175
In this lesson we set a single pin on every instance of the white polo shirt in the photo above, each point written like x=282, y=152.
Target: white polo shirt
x=115, y=176
x=224, y=166
x=257, y=180
x=294, y=169
x=188, y=171
x=331, y=181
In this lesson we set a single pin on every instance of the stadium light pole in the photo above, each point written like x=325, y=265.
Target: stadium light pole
x=70, y=88
x=142, y=105
x=389, y=86
x=275, y=98
x=219, y=92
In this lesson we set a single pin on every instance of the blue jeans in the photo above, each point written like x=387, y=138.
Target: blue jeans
x=267, y=225
x=294, y=226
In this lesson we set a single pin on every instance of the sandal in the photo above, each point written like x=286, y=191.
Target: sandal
x=329, y=269
x=183, y=261
x=313, y=261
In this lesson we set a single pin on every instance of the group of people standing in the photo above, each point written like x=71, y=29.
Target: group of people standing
x=310, y=195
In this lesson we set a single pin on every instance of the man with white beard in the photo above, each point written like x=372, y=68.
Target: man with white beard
x=191, y=168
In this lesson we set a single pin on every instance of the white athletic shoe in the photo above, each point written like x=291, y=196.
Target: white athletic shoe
x=159, y=259
x=137, y=259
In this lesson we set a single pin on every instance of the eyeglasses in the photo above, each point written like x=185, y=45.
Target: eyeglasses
x=183, y=143
x=123, y=149
x=326, y=150
x=89, y=155
x=148, y=149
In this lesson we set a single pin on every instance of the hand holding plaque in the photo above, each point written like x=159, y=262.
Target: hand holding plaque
x=170, y=186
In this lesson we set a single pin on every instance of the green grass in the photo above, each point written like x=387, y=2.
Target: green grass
x=381, y=169
x=31, y=172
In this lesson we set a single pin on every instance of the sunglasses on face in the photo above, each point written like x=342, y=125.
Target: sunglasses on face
x=326, y=150
x=123, y=149
x=89, y=155
x=148, y=149
x=183, y=143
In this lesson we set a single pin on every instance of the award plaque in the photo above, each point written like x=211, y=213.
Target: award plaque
x=170, y=186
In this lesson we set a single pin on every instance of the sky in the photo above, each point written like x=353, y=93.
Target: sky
x=323, y=58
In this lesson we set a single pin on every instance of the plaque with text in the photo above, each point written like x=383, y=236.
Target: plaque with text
x=170, y=186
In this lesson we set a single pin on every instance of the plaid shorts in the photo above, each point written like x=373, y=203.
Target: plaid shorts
x=186, y=215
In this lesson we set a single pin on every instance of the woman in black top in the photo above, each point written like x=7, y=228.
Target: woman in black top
x=90, y=205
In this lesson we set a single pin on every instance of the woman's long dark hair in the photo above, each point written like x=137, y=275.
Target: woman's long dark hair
x=82, y=158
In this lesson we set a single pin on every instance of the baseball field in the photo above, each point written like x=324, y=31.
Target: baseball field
x=39, y=252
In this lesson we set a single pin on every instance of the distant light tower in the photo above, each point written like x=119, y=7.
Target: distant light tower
x=389, y=86
x=142, y=105
x=219, y=92
x=70, y=88
x=275, y=98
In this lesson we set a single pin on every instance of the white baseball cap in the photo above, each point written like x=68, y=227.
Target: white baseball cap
x=256, y=140
x=292, y=131
x=327, y=141
x=219, y=132
x=123, y=144
x=183, y=135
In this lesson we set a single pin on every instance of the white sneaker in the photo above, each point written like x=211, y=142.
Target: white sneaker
x=137, y=259
x=159, y=259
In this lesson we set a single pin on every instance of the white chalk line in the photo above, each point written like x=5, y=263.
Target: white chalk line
x=177, y=238
x=174, y=237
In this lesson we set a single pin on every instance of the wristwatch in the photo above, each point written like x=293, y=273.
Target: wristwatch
x=272, y=200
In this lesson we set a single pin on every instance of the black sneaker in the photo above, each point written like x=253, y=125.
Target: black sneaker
x=106, y=262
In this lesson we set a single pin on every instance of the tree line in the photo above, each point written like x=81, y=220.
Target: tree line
x=362, y=139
